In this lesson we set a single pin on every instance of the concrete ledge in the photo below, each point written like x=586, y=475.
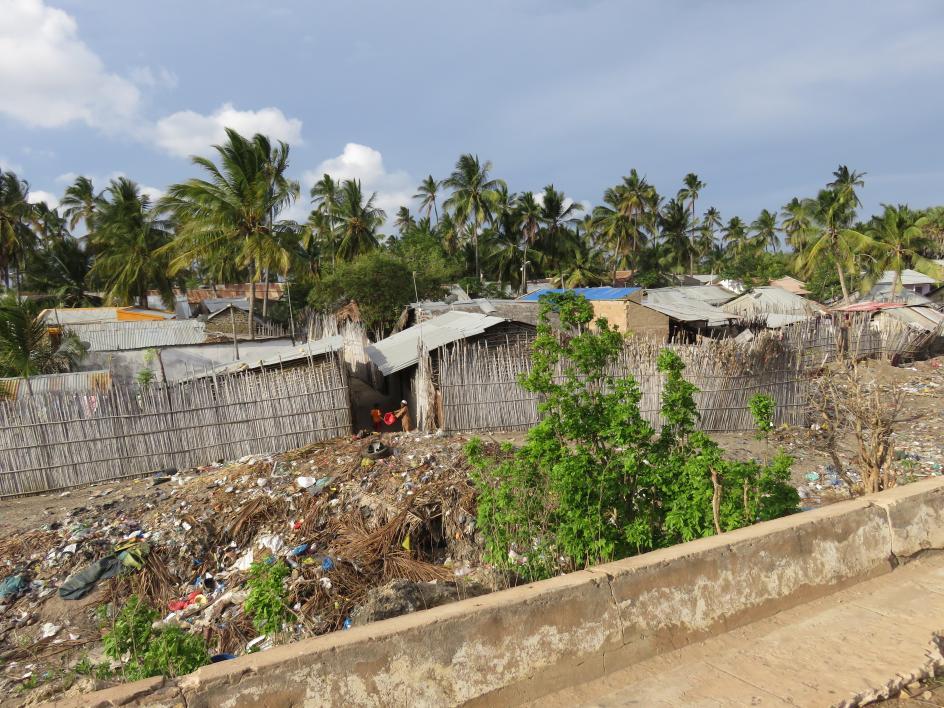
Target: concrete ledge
x=520, y=644
x=680, y=595
x=915, y=516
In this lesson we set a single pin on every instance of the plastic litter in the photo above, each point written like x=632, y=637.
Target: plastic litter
x=327, y=564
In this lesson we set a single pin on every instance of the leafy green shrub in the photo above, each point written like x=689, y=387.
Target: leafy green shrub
x=594, y=482
x=166, y=652
x=762, y=409
x=131, y=629
x=265, y=602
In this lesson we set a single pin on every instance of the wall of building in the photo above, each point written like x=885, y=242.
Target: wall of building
x=223, y=323
x=520, y=644
x=646, y=322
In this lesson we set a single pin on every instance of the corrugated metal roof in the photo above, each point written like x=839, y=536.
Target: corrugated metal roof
x=401, y=350
x=925, y=318
x=882, y=292
x=16, y=388
x=219, y=304
x=120, y=336
x=589, y=293
x=868, y=306
x=710, y=294
x=673, y=302
x=908, y=277
x=287, y=356
x=84, y=315
x=771, y=300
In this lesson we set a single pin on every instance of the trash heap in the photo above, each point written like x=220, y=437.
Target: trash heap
x=370, y=528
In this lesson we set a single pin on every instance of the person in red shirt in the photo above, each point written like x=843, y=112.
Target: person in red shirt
x=376, y=416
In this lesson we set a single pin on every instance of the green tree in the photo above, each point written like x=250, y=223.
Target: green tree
x=690, y=191
x=358, y=220
x=898, y=241
x=230, y=216
x=766, y=230
x=16, y=213
x=833, y=241
x=529, y=216
x=80, y=203
x=427, y=193
x=381, y=284
x=797, y=223
x=127, y=240
x=678, y=246
x=325, y=198
x=25, y=347
x=735, y=235
x=473, y=196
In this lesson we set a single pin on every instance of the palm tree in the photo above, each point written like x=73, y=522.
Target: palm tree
x=844, y=184
x=706, y=243
x=426, y=193
x=678, y=245
x=25, y=347
x=80, y=203
x=557, y=239
x=690, y=191
x=128, y=239
x=473, y=194
x=735, y=235
x=60, y=269
x=358, y=220
x=324, y=198
x=899, y=241
x=585, y=268
x=404, y=221
x=529, y=216
x=832, y=240
x=16, y=213
x=797, y=222
x=765, y=230
x=232, y=213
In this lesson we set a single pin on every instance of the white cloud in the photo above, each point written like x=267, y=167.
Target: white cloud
x=188, y=132
x=49, y=77
x=394, y=189
x=146, y=77
x=38, y=195
x=8, y=165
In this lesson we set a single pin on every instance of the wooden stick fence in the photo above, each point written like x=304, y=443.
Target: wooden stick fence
x=480, y=390
x=64, y=439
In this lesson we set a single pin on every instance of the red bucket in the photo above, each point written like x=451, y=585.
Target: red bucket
x=389, y=418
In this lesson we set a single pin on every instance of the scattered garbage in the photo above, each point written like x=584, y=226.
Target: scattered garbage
x=185, y=541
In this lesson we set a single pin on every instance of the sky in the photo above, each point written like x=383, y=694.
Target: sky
x=761, y=99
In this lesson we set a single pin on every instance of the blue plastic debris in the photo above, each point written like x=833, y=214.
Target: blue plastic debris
x=347, y=623
x=327, y=564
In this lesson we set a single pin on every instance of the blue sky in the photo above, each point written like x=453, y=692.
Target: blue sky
x=761, y=99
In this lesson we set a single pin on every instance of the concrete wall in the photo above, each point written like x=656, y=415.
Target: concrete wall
x=520, y=644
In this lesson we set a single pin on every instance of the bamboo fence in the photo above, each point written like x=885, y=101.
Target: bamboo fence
x=480, y=391
x=856, y=335
x=56, y=440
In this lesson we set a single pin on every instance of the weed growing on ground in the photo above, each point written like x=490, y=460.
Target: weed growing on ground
x=146, y=652
x=265, y=602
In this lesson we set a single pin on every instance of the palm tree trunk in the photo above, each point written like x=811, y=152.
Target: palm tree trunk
x=524, y=270
x=252, y=301
x=691, y=243
x=842, y=282
x=265, y=295
x=475, y=242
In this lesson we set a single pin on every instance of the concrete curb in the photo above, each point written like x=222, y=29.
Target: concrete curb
x=520, y=644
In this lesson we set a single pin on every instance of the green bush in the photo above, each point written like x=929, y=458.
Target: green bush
x=594, y=481
x=265, y=602
x=146, y=652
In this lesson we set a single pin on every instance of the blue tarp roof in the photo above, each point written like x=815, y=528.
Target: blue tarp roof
x=589, y=293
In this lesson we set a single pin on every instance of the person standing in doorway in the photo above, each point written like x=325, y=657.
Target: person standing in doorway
x=376, y=417
x=403, y=413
